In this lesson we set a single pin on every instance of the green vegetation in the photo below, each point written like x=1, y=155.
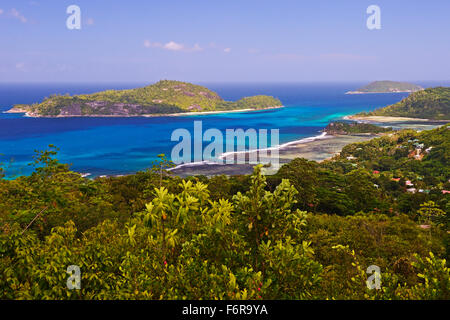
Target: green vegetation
x=432, y=103
x=163, y=97
x=387, y=86
x=338, y=127
x=308, y=232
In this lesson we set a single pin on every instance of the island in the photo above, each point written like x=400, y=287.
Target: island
x=165, y=97
x=348, y=128
x=428, y=104
x=387, y=87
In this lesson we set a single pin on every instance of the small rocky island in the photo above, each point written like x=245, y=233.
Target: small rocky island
x=165, y=97
x=387, y=87
x=348, y=128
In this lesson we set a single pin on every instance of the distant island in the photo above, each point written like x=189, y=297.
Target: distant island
x=431, y=104
x=165, y=97
x=387, y=87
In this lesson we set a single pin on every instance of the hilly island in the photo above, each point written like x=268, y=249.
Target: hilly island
x=387, y=87
x=165, y=97
x=431, y=103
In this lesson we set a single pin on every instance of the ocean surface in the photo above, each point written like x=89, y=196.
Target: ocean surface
x=118, y=146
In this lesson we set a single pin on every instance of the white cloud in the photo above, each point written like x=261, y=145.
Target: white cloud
x=149, y=44
x=1, y=11
x=16, y=14
x=227, y=50
x=172, y=46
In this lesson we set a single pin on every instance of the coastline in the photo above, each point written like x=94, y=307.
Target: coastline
x=387, y=119
x=316, y=148
x=181, y=114
x=368, y=92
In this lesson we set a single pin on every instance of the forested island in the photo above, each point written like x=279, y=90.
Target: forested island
x=162, y=98
x=431, y=103
x=387, y=87
x=340, y=128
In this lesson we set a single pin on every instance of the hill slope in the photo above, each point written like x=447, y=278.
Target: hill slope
x=387, y=87
x=163, y=97
x=432, y=103
x=342, y=128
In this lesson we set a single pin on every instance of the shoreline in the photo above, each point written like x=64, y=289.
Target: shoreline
x=315, y=148
x=180, y=114
x=318, y=148
x=363, y=92
x=225, y=155
x=389, y=119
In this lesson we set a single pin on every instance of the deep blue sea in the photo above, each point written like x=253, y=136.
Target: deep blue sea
x=116, y=146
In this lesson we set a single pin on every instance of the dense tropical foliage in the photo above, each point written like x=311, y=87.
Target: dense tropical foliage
x=352, y=127
x=431, y=103
x=308, y=232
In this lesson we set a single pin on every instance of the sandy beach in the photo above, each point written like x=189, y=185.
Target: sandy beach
x=385, y=119
x=315, y=148
x=199, y=113
x=180, y=114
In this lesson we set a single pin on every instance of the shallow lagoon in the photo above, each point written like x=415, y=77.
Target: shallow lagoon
x=115, y=146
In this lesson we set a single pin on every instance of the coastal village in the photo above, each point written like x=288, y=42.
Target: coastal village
x=417, y=150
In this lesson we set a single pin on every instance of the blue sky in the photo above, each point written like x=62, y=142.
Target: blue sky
x=221, y=41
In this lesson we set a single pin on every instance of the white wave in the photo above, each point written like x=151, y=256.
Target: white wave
x=198, y=163
x=279, y=147
x=323, y=135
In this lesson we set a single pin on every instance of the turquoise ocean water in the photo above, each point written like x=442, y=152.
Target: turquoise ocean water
x=115, y=146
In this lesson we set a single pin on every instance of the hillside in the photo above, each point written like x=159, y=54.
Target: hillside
x=339, y=128
x=308, y=232
x=432, y=103
x=387, y=87
x=163, y=97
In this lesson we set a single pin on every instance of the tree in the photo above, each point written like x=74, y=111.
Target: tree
x=304, y=177
x=160, y=167
x=430, y=213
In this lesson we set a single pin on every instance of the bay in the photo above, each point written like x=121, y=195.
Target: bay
x=117, y=146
